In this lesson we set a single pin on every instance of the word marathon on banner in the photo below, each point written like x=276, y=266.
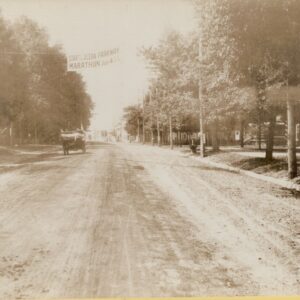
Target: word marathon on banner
x=93, y=60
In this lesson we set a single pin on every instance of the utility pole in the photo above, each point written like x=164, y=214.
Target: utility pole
x=138, y=129
x=152, y=134
x=292, y=158
x=144, y=119
x=171, y=132
x=138, y=119
x=202, y=134
x=11, y=133
x=157, y=119
x=170, y=122
x=158, y=131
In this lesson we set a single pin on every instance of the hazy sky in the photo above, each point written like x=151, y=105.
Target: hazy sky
x=84, y=26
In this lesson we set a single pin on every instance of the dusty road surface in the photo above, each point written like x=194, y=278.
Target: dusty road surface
x=129, y=220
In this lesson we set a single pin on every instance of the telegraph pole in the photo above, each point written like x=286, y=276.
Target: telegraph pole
x=171, y=132
x=291, y=142
x=138, y=120
x=144, y=119
x=152, y=134
x=138, y=129
x=202, y=134
x=157, y=119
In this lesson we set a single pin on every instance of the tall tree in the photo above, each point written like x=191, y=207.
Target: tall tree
x=13, y=80
x=57, y=99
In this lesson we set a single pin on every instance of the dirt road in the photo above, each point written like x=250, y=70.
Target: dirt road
x=128, y=220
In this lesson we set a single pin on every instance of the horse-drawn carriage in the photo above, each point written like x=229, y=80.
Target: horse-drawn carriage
x=73, y=140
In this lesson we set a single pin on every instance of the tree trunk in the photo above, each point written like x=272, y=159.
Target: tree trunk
x=152, y=130
x=215, y=139
x=171, y=132
x=158, y=133
x=270, y=138
x=242, y=133
x=179, y=139
x=152, y=137
x=11, y=133
x=259, y=132
x=138, y=130
x=292, y=159
x=201, y=127
x=143, y=130
x=35, y=133
x=21, y=134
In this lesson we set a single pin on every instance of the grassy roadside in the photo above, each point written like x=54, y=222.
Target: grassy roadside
x=254, y=161
x=249, y=159
x=18, y=155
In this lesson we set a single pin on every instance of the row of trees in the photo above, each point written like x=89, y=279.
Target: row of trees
x=38, y=97
x=241, y=66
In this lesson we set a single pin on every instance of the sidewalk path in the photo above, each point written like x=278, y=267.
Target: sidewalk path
x=283, y=182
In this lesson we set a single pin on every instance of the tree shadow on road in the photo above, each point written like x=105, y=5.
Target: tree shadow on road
x=203, y=166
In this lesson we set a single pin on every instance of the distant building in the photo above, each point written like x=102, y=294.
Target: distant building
x=120, y=132
x=96, y=135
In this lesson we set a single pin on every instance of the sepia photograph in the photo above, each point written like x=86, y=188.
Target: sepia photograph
x=149, y=148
